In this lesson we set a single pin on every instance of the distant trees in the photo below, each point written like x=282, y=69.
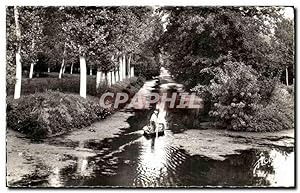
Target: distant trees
x=283, y=43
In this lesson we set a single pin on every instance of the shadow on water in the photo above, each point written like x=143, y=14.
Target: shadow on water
x=130, y=159
x=239, y=170
x=155, y=163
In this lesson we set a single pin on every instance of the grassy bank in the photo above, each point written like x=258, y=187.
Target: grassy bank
x=70, y=84
x=47, y=113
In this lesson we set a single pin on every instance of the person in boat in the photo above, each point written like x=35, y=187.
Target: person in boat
x=153, y=121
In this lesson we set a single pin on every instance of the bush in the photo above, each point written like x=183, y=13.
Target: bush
x=49, y=113
x=234, y=93
x=277, y=115
x=240, y=101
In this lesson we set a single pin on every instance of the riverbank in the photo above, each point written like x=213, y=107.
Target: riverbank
x=218, y=143
x=29, y=163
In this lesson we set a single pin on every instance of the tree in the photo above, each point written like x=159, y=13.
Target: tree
x=236, y=93
x=283, y=42
x=196, y=36
x=82, y=35
x=128, y=30
x=237, y=51
x=18, y=56
x=11, y=46
x=32, y=35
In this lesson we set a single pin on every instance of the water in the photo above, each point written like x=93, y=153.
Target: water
x=130, y=159
x=156, y=162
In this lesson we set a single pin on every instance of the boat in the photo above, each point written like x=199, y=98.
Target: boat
x=149, y=132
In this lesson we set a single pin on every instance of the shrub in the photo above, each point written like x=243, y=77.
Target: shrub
x=234, y=93
x=243, y=102
x=277, y=115
x=45, y=114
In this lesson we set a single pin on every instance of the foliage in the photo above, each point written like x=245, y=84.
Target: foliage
x=101, y=34
x=235, y=93
x=236, y=97
x=283, y=43
x=11, y=41
x=277, y=115
x=196, y=36
x=44, y=114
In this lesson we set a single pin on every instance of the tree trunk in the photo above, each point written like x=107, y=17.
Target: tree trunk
x=128, y=66
x=71, y=71
x=98, y=78
x=82, y=76
x=132, y=71
x=17, y=93
x=117, y=74
x=113, y=81
x=31, y=70
x=124, y=66
x=61, y=71
x=109, y=78
x=120, y=68
x=64, y=69
x=32, y=63
x=61, y=68
x=105, y=77
x=18, y=74
x=287, y=76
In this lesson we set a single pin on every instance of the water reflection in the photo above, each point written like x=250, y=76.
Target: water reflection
x=152, y=162
x=55, y=178
x=237, y=170
x=277, y=167
x=157, y=162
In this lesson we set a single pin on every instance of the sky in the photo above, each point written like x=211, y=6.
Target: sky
x=289, y=12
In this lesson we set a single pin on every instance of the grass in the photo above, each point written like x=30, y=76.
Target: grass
x=71, y=83
x=68, y=84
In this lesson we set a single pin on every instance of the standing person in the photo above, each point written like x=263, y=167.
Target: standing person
x=153, y=121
